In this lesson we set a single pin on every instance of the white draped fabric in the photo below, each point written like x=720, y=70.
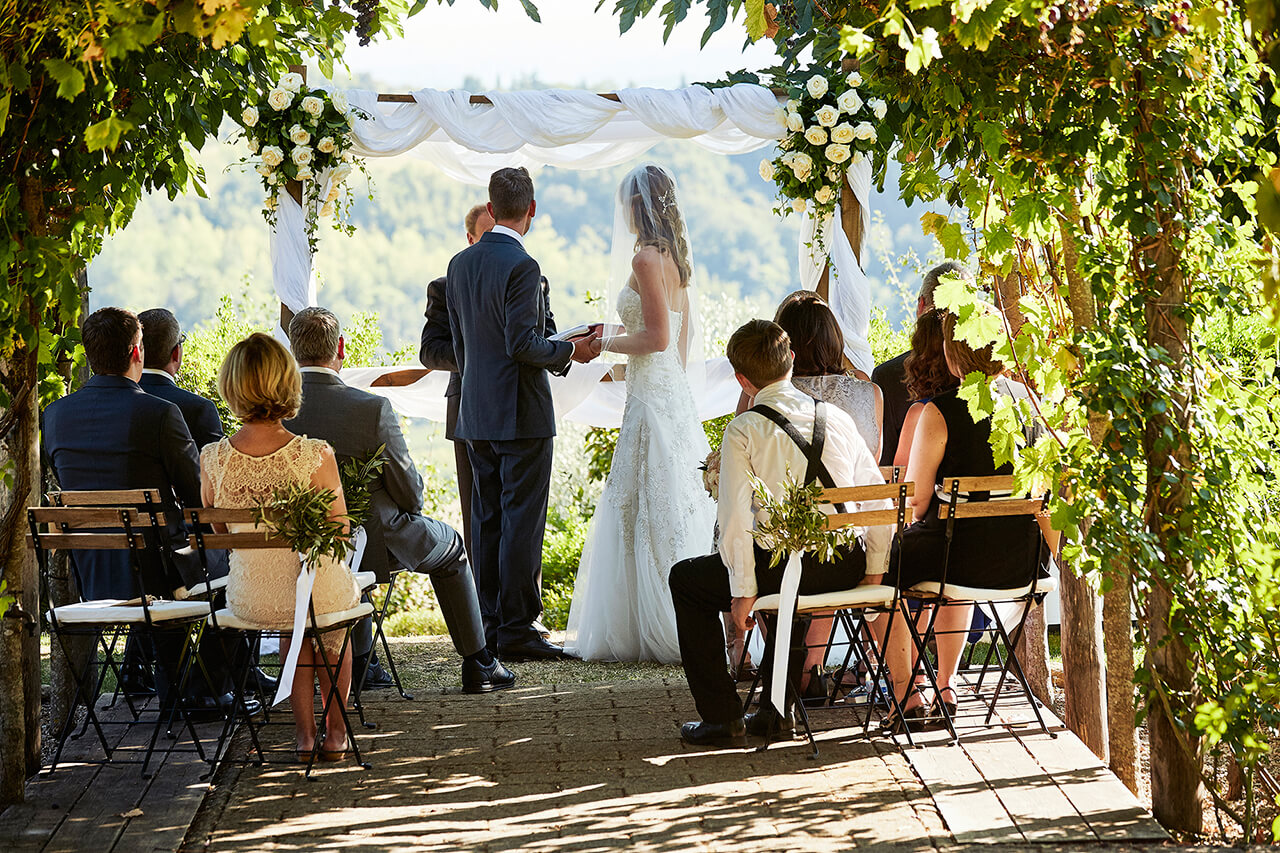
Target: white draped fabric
x=578, y=130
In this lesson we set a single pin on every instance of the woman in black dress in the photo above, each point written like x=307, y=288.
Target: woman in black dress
x=997, y=553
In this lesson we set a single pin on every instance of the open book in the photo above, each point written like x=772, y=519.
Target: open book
x=569, y=334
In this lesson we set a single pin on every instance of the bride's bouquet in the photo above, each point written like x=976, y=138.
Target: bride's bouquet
x=302, y=136
x=711, y=474
x=829, y=125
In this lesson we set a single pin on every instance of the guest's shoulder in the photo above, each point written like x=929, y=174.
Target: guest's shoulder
x=894, y=367
x=212, y=452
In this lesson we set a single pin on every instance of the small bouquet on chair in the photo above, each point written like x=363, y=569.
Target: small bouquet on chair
x=711, y=475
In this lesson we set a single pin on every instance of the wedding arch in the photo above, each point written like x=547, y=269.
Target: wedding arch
x=468, y=136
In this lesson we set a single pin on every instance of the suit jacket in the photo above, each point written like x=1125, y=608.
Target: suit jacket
x=200, y=414
x=356, y=423
x=498, y=323
x=113, y=435
x=891, y=376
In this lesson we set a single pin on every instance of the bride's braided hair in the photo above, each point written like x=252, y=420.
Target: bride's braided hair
x=658, y=223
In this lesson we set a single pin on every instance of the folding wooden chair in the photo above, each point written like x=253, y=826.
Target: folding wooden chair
x=959, y=503
x=317, y=626
x=106, y=621
x=851, y=606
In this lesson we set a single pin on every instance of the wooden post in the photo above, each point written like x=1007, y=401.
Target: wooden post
x=294, y=189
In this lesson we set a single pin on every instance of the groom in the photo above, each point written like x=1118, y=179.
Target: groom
x=498, y=322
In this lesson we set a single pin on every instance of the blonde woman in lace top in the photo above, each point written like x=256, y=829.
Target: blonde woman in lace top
x=262, y=386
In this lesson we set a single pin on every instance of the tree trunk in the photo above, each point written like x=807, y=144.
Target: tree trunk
x=1117, y=642
x=1082, y=667
x=1033, y=652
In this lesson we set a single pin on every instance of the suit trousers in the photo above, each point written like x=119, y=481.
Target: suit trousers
x=512, y=482
x=700, y=593
x=462, y=462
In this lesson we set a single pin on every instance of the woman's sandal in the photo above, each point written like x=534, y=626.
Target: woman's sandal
x=949, y=708
x=334, y=754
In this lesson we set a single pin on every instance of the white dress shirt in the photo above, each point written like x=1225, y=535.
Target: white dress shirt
x=756, y=445
x=156, y=372
x=315, y=368
x=510, y=232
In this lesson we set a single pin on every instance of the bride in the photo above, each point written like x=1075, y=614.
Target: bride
x=653, y=512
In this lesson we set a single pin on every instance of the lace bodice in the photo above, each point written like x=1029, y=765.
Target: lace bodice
x=855, y=396
x=649, y=373
x=241, y=481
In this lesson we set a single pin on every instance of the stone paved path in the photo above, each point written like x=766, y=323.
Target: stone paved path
x=586, y=767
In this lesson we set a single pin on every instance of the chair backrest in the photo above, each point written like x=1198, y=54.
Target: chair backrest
x=259, y=539
x=1000, y=500
x=897, y=492
x=893, y=473
x=64, y=528
x=116, y=497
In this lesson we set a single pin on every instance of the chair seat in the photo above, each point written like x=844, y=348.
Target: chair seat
x=200, y=589
x=955, y=592
x=868, y=595
x=227, y=619
x=114, y=612
x=366, y=580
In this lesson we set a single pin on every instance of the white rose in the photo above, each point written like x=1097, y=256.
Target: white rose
x=854, y=79
x=817, y=85
x=842, y=133
x=865, y=131
x=766, y=169
x=827, y=116
x=254, y=144
x=340, y=102
x=823, y=195
x=280, y=99
x=271, y=203
x=249, y=117
x=326, y=210
x=857, y=157
x=305, y=173
x=833, y=174
x=788, y=158
x=849, y=102
x=341, y=173
x=298, y=135
x=878, y=107
x=837, y=153
x=334, y=192
x=312, y=106
x=795, y=124
x=350, y=117
x=815, y=136
x=272, y=156
x=290, y=82
x=263, y=169
x=799, y=205
x=273, y=178
x=802, y=165
x=792, y=105
x=326, y=146
x=302, y=155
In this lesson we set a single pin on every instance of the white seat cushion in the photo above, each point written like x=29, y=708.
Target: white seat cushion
x=366, y=580
x=200, y=589
x=109, y=612
x=227, y=619
x=955, y=592
x=868, y=595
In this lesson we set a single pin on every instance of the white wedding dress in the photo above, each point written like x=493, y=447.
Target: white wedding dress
x=653, y=513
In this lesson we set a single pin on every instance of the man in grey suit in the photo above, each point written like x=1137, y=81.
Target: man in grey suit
x=356, y=423
x=498, y=322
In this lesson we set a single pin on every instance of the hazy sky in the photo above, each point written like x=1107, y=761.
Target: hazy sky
x=573, y=46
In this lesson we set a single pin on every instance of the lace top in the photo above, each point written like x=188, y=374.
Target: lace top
x=855, y=396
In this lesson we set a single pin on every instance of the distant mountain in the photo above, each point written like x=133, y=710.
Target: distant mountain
x=185, y=254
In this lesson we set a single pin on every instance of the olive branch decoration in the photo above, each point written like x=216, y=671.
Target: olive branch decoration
x=795, y=522
x=299, y=514
x=358, y=477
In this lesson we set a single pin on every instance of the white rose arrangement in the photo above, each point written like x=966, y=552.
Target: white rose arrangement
x=831, y=122
x=299, y=142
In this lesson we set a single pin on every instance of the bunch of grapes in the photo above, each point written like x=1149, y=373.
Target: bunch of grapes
x=366, y=18
x=1179, y=20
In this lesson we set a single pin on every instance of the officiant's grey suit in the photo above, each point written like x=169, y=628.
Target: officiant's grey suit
x=356, y=423
x=498, y=320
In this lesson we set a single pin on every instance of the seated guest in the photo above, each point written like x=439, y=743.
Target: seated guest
x=927, y=376
x=162, y=340
x=261, y=385
x=704, y=587
x=994, y=553
x=356, y=423
x=891, y=375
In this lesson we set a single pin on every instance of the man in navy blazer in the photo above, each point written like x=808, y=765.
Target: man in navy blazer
x=498, y=322
x=162, y=341
x=111, y=434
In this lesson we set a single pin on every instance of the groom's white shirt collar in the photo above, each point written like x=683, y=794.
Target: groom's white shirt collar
x=315, y=368
x=510, y=232
x=155, y=372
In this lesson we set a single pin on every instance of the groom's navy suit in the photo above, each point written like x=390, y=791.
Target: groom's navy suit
x=498, y=320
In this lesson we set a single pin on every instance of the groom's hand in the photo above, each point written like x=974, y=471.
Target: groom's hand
x=740, y=614
x=584, y=349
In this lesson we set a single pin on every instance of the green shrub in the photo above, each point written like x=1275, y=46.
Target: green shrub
x=207, y=345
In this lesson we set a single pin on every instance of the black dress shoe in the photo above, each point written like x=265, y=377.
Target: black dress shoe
x=535, y=649
x=264, y=684
x=714, y=734
x=377, y=678
x=478, y=678
x=768, y=723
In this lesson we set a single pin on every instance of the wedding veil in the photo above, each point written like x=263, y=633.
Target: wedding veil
x=647, y=212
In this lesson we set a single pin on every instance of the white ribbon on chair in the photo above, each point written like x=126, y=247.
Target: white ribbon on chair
x=782, y=643
x=301, y=604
